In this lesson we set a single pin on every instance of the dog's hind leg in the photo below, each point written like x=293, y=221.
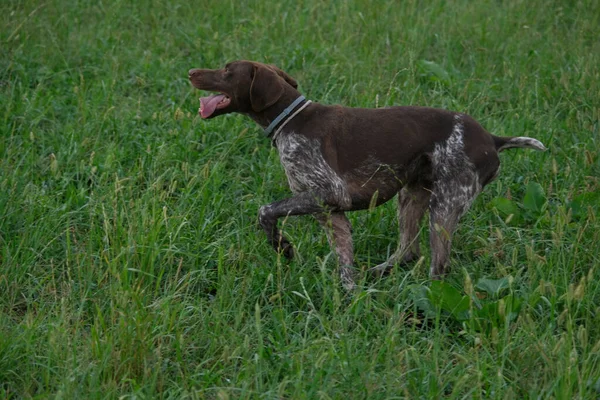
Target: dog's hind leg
x=456, y=183
x=450, y=199
x=412, y=204
x=339, y=234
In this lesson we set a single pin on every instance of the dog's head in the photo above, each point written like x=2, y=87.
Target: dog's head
x=242, y=86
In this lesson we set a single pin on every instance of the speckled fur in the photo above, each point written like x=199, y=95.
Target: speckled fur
x=455, y=186
x=307, y=170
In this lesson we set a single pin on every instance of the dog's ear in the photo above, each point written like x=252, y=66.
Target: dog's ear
x=266, y=88
x=285, y=76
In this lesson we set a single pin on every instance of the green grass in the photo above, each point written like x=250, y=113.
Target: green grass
x=131, y=264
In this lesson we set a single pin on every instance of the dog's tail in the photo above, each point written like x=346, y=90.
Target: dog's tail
x=503, y=143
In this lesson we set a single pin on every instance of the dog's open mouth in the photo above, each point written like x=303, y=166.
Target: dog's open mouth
x=209, y=104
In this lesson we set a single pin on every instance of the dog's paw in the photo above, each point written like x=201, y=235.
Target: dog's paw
x=348, y=277
x=284, y=247
x=287, y=250
x=349, y=286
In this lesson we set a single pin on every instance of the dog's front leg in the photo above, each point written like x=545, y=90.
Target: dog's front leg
x=339, y=234
x=301, y=204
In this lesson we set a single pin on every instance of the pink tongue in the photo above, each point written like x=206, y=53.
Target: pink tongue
x=209, y=104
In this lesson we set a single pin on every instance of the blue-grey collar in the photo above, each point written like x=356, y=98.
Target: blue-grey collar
x=283, y=114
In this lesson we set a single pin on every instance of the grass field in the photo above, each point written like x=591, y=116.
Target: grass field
x=131, y=263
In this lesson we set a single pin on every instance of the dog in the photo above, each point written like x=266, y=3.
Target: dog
x=340, y=159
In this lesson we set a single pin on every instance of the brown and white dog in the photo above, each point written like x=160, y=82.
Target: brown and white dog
x=340, y=159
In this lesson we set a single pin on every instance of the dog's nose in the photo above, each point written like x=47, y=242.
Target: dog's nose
x=192, y=72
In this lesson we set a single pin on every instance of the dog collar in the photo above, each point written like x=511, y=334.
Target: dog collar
x=284, y=114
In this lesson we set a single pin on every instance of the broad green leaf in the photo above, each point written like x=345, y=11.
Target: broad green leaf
x=581, y=202
x=497, y=313
x=506, y=207
x=493, y=287
x=420, y=296
x=512, y=307
x=449, y=299
x=534, y=198
x=435, y=70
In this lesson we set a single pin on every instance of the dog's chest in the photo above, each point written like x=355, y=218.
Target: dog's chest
x=307, y=170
